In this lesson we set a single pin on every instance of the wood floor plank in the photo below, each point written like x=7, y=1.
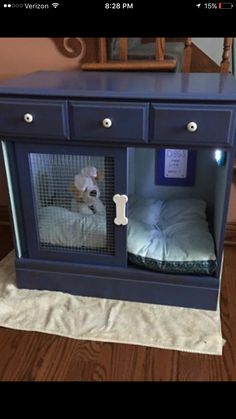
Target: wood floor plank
x=32, y=356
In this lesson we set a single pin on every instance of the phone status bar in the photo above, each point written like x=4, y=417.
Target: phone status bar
x=215, y=6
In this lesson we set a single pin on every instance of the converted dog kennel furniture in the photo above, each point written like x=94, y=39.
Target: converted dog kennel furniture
x=155, y=151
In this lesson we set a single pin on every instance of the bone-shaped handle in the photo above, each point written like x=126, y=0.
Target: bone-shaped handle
x=120, y=201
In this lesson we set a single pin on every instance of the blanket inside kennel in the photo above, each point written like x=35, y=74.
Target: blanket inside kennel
x=170, y=236
x=70, y=229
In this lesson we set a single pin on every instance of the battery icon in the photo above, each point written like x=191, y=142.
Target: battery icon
x=226, y=5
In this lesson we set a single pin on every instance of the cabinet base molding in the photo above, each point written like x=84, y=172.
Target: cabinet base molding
x=129, y=283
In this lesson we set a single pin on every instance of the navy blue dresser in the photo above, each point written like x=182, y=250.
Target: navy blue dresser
x=119, y=182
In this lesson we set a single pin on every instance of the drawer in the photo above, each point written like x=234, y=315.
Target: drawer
x=109, y=121
x=211, y=126
x=33, y=118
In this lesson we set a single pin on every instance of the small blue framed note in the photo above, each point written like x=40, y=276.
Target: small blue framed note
x=175, y=167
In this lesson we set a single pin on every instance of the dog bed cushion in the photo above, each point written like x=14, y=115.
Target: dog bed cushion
x=61, y=227
x=170, y=236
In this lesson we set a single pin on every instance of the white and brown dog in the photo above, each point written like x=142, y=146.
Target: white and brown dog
x=85, y=192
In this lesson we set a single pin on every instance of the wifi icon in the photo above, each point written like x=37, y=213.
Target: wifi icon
x=55, y=5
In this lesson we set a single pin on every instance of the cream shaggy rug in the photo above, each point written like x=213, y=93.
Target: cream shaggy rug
x=106, y=320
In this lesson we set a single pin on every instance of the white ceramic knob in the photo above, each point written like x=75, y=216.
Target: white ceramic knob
x=192, y=127
x=107, y=123
x=28, y=118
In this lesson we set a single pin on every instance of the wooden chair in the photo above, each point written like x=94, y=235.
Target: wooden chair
x=225, y=63
x=160, y=63
x=165, y=59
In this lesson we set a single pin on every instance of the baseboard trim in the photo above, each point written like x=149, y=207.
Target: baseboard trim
x=4, y=215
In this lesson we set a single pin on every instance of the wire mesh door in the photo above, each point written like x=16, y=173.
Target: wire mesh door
x=72, y=203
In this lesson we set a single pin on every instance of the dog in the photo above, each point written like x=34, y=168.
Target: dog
x=85, y=192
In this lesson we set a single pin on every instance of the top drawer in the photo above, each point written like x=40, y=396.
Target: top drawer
x=211, y=124
x=33, y=118
x=109, y=121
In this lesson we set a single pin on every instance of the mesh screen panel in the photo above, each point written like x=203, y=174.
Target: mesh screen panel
x=64, y=222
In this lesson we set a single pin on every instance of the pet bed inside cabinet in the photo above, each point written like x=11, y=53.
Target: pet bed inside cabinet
x=168, y=228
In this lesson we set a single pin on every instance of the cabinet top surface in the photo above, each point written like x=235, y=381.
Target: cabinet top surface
x=119, y=85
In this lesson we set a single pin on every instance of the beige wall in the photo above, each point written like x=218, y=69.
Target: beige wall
x=24, y=55
x=20, y=56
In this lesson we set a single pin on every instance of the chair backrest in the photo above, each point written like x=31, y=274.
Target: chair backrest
x=160, y=63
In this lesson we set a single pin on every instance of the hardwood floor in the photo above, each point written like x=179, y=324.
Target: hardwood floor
x=31, y=356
